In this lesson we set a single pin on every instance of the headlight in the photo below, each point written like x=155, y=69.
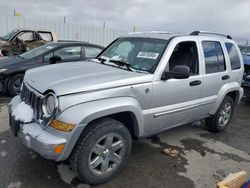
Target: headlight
x=3, y=70
x=50, y=105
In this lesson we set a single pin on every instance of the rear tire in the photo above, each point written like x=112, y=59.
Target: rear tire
x=101, y=152
x=14, y=84
x=222, y=118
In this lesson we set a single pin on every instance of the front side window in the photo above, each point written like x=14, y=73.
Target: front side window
x=38, y=51
x=47, y=57
x=233, y=56
x=214, y=57
x=26, y=36
x=141, y=54
x=185, y=53
x=72, y=53
x=91, y=52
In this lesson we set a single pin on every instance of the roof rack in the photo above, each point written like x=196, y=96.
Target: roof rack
x=149, y=32
x=209, y=32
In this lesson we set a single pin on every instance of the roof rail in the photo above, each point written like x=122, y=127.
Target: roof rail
x=209, y=32
x=149, y=32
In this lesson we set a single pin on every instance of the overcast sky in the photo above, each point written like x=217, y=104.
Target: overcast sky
x=227, y=16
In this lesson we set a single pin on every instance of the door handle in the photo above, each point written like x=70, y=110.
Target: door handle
x=226, y=77
x=195, y=83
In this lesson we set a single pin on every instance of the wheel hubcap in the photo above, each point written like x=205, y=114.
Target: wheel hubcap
x=106, y=154
x=225, y=114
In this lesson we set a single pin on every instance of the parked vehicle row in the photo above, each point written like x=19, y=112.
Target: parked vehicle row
x=141, y=84
x=12, y=68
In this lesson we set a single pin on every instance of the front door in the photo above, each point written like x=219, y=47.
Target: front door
x=175, y=101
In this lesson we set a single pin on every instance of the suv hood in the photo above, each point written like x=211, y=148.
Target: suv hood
x=67, y=78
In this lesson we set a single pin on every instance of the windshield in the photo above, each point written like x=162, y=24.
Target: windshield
x=245, y=50
x=38, y=51
x=8, y=36
x=140, y=53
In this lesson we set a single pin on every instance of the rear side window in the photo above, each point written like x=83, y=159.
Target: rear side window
x=233, y=56
x=214, y=57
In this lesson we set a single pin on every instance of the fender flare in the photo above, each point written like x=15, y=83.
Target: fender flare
x=225, y=89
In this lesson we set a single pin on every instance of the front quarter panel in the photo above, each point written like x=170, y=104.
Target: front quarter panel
x=84, y=113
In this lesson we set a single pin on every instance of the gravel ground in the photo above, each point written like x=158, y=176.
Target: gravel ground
x=204, y=158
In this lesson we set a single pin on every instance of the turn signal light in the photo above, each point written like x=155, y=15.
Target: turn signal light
x=59, y=149
x=61, y=126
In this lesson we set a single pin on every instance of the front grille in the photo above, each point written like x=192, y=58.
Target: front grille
x=34, y=100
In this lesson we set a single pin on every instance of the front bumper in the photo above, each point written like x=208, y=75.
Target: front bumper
x=35, y=137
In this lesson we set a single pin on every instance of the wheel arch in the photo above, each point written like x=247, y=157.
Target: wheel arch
x=233, y=90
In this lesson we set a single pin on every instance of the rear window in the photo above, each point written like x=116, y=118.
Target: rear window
x=233, y=56
x=214, y=57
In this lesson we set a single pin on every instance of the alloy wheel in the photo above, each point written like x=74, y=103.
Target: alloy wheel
x=107, y=154
x=225, y=114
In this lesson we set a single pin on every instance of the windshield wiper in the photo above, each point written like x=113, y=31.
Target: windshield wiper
x=102, y=60
x=121, y=63
x=116, y=62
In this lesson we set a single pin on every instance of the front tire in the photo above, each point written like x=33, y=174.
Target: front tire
x=222, y=118
x=101, y=152
x=14, y=84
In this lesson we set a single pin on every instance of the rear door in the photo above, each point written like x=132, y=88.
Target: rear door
x=216, y=73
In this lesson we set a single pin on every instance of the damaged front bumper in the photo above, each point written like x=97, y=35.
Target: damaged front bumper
x=34, y=136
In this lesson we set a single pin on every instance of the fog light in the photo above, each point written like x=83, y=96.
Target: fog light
x=59, y=149
x=59, y=125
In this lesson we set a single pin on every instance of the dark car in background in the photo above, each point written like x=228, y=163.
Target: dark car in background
x=12, y=68
x=245, y=50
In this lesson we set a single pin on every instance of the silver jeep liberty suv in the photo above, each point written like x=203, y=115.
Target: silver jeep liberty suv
x=140, y=85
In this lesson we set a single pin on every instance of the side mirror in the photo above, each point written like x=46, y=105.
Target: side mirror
x=178, y=72
x=55, y=59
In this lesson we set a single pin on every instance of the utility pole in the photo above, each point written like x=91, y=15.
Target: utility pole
x=14, y=12
x=64, y=19
x=134, y=29
x=247, y=43
x=104, y=25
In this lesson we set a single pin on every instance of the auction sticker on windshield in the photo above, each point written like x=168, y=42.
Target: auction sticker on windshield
x=148, y=55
